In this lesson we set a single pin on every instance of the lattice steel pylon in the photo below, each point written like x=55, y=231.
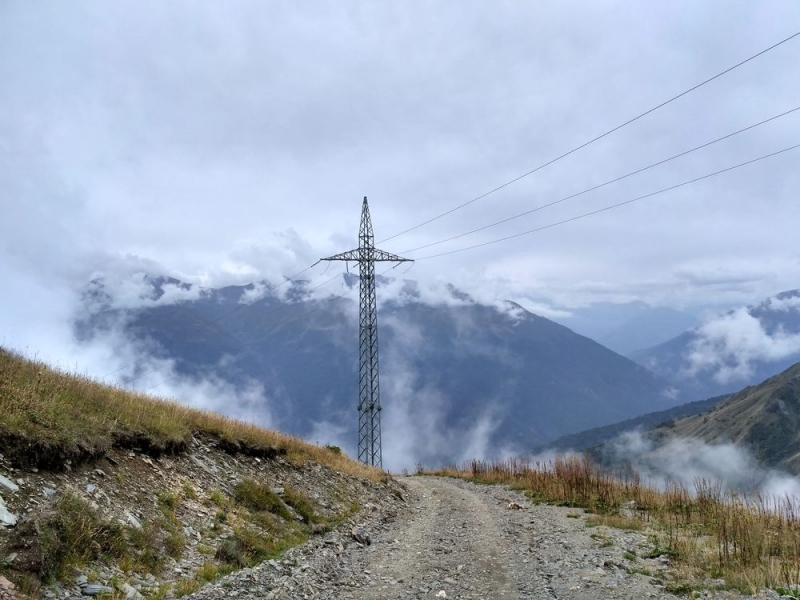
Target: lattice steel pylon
x=369, y=395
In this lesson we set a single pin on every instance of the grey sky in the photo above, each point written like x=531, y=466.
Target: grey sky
x=227, y=142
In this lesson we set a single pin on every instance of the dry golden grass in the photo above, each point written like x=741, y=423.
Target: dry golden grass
x=750, y=542
x=51, y=415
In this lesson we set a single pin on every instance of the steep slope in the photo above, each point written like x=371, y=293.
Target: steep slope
x=742, y=347
x=764, y=418
x=456, y=375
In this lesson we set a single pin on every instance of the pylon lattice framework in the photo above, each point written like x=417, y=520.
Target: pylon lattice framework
x=369, y=396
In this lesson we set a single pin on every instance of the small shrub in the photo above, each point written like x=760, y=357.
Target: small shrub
x=168, y=501
x=334, y=449
x=146, y=548
x=232, y=553
x=218, y=498
x=210, y=571
x=175, y=543
x=75, y=533
x=253, y=545
x=189, y=491
x=184, y=587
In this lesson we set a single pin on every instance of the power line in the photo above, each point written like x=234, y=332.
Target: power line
x=606, y=208
x=609, y=182
x=593, y=140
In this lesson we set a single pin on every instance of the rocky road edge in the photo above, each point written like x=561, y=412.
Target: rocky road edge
x=129, y=487
x=314, y=568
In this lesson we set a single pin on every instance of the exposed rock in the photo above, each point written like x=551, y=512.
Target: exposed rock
x=7, y=518
x=95, y=589
x=8, y=484
x=361, y=536
x=131, y=593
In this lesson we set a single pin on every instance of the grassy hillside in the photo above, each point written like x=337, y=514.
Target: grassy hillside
x=765, y=418
x=48, y=418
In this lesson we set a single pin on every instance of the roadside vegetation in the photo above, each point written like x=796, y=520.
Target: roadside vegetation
x=706, y=532
x=260, y=524
x=48, y=417
x=54, y=421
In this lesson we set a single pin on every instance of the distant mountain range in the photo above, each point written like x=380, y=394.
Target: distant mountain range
x=629, y=326
x=456, y=373
x=724, y=354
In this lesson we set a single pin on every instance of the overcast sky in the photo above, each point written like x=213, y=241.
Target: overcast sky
x=227, y=142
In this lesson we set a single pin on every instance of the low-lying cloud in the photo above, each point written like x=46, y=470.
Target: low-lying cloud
x=731, y=344
x=689, y=460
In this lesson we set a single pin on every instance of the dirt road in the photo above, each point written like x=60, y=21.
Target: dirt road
x=463, y=541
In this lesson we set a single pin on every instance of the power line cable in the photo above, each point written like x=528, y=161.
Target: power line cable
x=606, y=208
x=593, y=140
x=604, y=184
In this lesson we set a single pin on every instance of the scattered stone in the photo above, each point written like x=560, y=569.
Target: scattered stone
x=95, y=589
x=91, y=489
x=8, y=484
x=5, y=584
x=6, y=518
x=441, y=594
x=361, y=536
x=131, y=593
x=133, y=521
x=48, y=492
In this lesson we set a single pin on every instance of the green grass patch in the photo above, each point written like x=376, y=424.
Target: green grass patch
x=259, y=497
x=75, y=534
x=301, y=503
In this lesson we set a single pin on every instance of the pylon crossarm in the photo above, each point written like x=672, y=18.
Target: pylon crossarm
x=350, y=256
x=372, y=254
x=382, y=256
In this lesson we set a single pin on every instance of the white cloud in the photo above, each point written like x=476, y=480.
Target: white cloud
x=729, y=345
x=786, y=304
x=689, y=460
